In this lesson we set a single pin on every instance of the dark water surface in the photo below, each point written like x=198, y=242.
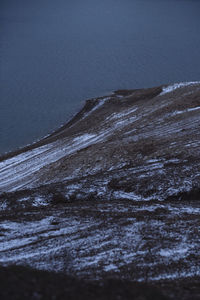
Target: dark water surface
x=55, y=54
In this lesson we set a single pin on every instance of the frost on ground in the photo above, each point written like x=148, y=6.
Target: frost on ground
x=114, y=192
x=173, y=87
x=93, y=238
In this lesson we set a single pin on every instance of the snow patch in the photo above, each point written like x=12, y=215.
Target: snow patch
x=172, y=88
x=172, y=252
x=124, y=195
x=3, y=205
x=38, y=201
x=110, y=267
x=122, y=114
x=179, y=112
x=83, y=138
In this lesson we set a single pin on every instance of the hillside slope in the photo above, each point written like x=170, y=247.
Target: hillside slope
x=114, y=192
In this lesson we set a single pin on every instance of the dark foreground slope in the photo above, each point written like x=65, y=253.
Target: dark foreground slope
x=18, y=283
x=115, y=193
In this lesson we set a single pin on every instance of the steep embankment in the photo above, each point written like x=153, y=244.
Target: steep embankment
x=114, y=191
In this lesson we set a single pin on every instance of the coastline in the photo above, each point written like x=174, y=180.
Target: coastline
x=87, y=106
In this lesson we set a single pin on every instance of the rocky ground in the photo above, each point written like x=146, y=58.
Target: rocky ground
x=112, y=194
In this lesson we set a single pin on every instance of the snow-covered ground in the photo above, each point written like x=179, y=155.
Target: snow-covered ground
x=115, y=191
x=175, y=86
x=93, y=239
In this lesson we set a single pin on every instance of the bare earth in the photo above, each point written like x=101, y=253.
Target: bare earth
x=112, y=194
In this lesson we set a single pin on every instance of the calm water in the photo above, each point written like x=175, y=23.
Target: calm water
x=55, y=54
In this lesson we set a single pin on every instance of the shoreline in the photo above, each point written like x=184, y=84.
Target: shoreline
x=88, y=104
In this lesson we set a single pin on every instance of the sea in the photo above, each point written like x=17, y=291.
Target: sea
x=56, y=54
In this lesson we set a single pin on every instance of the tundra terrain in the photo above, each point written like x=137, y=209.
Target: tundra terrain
x=114, y=193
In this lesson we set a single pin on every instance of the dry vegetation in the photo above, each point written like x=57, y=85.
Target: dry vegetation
x=113, y=194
